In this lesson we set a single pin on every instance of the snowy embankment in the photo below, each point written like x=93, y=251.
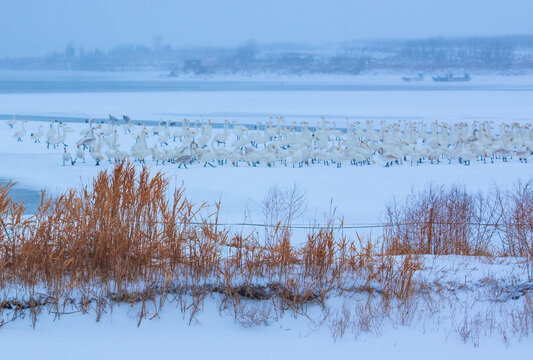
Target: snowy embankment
x=217, y=335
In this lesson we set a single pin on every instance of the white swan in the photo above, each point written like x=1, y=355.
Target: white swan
x=20, y=134
x=89, y=140
x=80, y=153
x=12, y=122
x=67, y=157
x=184, y=159
x=36, y=136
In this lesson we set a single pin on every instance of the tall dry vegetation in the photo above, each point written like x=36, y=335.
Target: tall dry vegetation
x=444, y=221
x=517, y=220
x=122, y=240
x=125, y=240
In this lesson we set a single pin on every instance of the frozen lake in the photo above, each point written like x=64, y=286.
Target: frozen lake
x=154, y=97
x=73, y=97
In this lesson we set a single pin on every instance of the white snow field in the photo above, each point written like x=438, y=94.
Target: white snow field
x=358, y=193
x=435, y=331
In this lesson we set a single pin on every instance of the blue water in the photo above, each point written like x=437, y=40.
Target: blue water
x=30, y=197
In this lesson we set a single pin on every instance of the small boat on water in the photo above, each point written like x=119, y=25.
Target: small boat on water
x=451, y=78
x=420, y=77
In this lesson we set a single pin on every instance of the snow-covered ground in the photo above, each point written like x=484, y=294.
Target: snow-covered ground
x=436, y=331
x=358, y=194
x=169, y=337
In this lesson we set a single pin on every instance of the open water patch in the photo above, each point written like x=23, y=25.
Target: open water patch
x=31, y=197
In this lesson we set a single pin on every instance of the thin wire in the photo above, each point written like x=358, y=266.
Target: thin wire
x=334, y=227
x=349, y=226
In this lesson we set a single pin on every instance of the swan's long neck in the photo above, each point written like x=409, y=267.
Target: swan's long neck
x=115, y=136
x=99, y=144
x=142, y=140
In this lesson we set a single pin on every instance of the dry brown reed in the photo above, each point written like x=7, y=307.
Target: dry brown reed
x=446, y=221
x=125, y=240
x=517, y=220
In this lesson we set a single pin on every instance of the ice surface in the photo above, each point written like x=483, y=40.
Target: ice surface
x=149, y=96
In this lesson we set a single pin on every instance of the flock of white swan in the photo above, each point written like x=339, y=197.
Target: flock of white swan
x=277, y=143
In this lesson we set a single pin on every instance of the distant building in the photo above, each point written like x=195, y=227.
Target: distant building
x=194, y=66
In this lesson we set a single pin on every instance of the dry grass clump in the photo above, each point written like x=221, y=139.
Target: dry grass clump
x=517, y=220
x=444, y=221
x=440, y=221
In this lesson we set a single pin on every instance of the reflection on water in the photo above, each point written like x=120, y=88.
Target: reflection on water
x=31, y=197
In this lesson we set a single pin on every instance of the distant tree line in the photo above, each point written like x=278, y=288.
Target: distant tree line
x=506, y=53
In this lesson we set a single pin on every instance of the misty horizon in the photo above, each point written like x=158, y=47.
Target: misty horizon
x=35, y=28
x=158, y=43
x=503, y=53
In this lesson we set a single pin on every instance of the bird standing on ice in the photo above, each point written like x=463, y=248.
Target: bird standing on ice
x=36, y=137
x=12, y=122
x=19, y=134
x=67, y=157
x=89, y=140
x=50, y=134
x=184, y=159
x=80, y=154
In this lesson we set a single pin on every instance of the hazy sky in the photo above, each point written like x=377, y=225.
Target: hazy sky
x=35, y=27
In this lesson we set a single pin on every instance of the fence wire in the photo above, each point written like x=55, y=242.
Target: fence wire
x=347, y=226
x=325, y=226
